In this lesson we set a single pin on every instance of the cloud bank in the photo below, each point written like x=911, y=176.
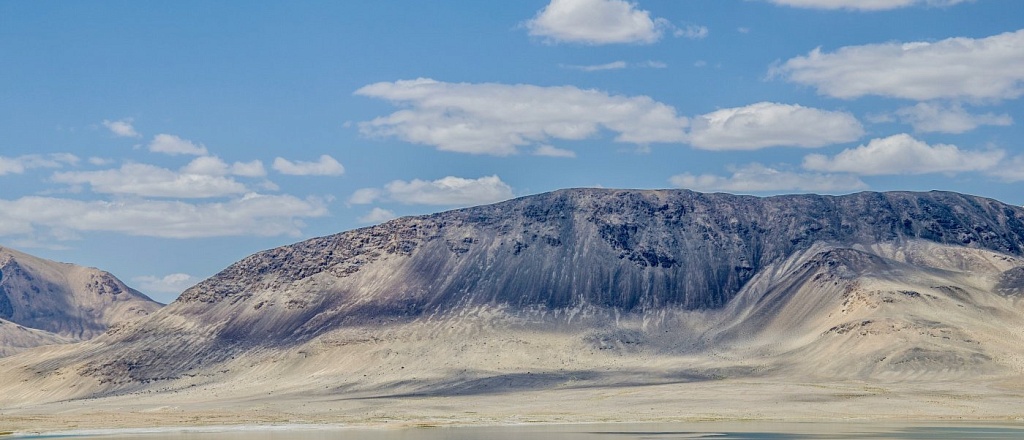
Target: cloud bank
x=864, y=5
x=498, y=119
x=757, y=178
x=902, y=154
x=986, y=69
x=768, y=124
x=447, y=191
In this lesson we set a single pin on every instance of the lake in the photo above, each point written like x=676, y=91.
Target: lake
x=647, y=431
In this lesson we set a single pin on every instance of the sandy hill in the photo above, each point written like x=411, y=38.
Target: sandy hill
x=673, y=301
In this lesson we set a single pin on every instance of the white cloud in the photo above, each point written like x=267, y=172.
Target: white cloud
x=248, y=169
x=614, y=65
x=757, y=178
x=498, y=118
x=864, y=5
x=617, y=65
x=550, y=151
x=767, y=124
x=173, y=145
x=365, y=196
x=693, y=32
x=325, y=166
x=596, y=22
x=933, y=117
x=454, y=191
x=1011, y=170
x=174, y=283
x=207, y=166
x=253, y=214
x=10, y=166
x=215, y=166
x=20, y=164
x=121, y=128
x=989, y=68
x=152, y=181
x=902, y=154
x=377, y=215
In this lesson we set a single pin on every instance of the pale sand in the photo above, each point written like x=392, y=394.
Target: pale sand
x=717, y=400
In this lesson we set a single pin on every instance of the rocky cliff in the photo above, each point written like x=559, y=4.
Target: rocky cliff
x=631, y=250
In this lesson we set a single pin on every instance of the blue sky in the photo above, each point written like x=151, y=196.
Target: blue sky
x=163, y=141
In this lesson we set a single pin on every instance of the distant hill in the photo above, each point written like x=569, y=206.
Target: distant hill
x=44, y=302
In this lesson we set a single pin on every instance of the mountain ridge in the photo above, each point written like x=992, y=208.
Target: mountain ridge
x=629, y=243
x=587, y=288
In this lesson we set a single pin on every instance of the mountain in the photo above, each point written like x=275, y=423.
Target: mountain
x=15, y=338
x=591, y=289
x=45, y=302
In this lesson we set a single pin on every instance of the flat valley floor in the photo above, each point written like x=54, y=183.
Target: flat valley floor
x=701, y=401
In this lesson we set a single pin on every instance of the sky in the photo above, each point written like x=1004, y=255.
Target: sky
x=163, y=141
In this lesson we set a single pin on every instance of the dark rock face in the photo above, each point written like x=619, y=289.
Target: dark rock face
x=1011, y=283
x=632, y=250
x=6, y=309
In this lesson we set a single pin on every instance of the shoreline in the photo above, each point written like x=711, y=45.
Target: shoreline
x=737, y=424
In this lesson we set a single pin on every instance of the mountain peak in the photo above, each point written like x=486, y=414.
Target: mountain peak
x=71, y=301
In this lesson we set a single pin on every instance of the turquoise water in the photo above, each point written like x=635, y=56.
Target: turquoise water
x=659, y=431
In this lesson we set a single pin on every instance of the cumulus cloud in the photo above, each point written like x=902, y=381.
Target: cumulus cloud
x=1011, y=170
x=121, y=128
x=767, y=124
x=617, y=65
x=496, y=119
x=215, y=166
x=864, y=5
x=550, y=151
x=456, y=191
x=377, y=215
x=248, y=169
x=174, y=283
x=693, y=32
x=757, y=178
x=173, y=145
x=152, y=181
x=614, y=65
x=986, y=69
x=325, y=166
x=10, y=166
x=365, y=196
x=253, y=214
x=20, y=164
x=902, y=154
x=449, y=191
x=596, y=22
x=928, y=117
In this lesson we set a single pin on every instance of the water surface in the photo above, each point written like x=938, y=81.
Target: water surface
x=653, y=431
